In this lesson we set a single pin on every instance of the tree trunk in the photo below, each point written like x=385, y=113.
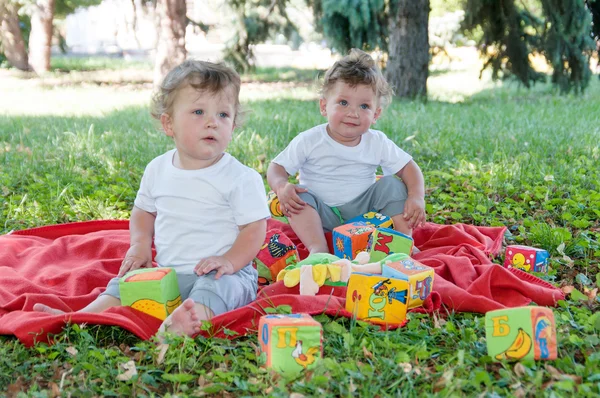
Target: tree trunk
x=11, y=38
x=170, y=51
x=40, y=38
x=408, y=63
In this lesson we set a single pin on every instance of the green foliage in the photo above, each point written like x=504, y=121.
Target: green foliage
x=66, y=7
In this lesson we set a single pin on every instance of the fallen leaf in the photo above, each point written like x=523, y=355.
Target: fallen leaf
x=161, y=354
x=555, y=373
x=55, y=391
x=367, y=353
x=405, y=366
x=296, y=395
x=72, y=350
x=519, y=369
x=567, y=289
x=352, y=387
x=129, y=371
x=590, y=293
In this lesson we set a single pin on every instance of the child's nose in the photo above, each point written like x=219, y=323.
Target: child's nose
x=211, y=122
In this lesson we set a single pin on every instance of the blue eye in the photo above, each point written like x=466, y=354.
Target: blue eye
x=198, y=112
x=364, y=106
x=223, y=115
x=343, y=102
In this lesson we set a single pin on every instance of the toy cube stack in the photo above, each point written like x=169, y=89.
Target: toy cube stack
x=521, y=333
x=386, y=241
x=377, y=299
x=275, y=208
x=277, y=253
x=419, y=277
x=290, y=343
x=351, y=239
x=154, y=291
x=526, y=258
x=373, y=219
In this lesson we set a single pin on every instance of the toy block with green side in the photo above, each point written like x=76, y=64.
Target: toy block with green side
x=291, y=343
x=386, y=241
x=154, y=291
x=521, y=333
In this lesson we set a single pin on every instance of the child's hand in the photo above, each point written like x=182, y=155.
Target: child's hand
x=137, y=257
x=289, y=200
x=414, y=211
x=219, y=263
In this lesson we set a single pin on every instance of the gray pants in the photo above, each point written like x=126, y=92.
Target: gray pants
x=220, y=295
x=387, y=196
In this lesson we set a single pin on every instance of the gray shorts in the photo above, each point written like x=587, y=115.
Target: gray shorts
x=387, y=196
x=220, y=295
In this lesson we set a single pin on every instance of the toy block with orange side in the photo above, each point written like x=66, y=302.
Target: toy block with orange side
x=351, y=239
x=290, y=343
x=419, y=276
x=154, y=291
x=521, y=333
x=377, y=299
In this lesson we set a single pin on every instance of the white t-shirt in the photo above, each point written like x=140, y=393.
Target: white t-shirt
x=337, y=173
x=198, y=211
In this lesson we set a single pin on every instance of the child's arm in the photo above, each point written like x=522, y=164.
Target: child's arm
x=414, y=209
x=286, y=192
x=141, y=230
x=244, y=249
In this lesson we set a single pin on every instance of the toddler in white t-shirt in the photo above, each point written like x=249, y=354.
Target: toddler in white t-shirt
x=338, y=160
x=204, y=210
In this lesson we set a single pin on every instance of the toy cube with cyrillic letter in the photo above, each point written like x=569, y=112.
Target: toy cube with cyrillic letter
x=351, y=239
x=419, y=276
x=377, y=299
x=386, y=241
x=521, y=333
x=154, y=291
x=291, y=343
x=373, y=219
x=526, y=258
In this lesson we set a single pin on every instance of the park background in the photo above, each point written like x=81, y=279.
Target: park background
x=514, y=144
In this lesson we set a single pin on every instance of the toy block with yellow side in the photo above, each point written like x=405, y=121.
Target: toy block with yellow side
x=351, y=239
x=377, y=299
x=521, y=333
x=386, y=241
x=154, y=291
x=275, y=207
x=418, y=275
x=526, y=258
x=290, y=343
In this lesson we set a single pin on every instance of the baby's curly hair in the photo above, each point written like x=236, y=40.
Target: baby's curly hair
x=358, y=68
x=202, y=76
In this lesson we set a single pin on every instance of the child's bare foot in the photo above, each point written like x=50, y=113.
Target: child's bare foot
x=48, y=310
x=184, y=321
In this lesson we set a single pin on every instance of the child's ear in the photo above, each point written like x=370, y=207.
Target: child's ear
x=167, y=124
x=377, y=114
x=323, y=106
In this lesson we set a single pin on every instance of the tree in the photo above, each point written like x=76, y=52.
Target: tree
x=408, y=55
x=40, y=38
x=172, y=21
x=11, y=38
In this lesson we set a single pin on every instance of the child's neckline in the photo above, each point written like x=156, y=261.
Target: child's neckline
x=207, y=169
x=331, y=139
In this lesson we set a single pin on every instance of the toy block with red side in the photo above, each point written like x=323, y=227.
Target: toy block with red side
x=351, y=239
x=521, y=333
x=277, y=253
x=418, y=275
x=526, y=258
x=290, y=343
x=386, y=241
x=377, y=299
x=154, y=291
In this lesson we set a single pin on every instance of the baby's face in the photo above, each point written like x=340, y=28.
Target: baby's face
x=350, y=111
x=201, y=125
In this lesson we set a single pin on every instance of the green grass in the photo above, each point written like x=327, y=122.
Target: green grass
x=501, y=156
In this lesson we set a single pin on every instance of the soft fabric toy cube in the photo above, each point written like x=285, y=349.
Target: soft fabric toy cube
x=277, y=253
x=418, y=275
x=377, y=299
x=351, y=239
x=290, y=343
x=154, y=291
x=521, y=333
x=386, y=241
x=526, y=258
x=374, y=219
x=275, y=207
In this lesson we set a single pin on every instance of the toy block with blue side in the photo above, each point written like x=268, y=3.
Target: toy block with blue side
x=526, y=258
x=521, y=333
x=291, y=343
x=275, y=208
x=373, y=219
x=377, y=299
x=154, y=291
x=386, y=241
x=351, y=239
x=277, y=252
x=418, y=275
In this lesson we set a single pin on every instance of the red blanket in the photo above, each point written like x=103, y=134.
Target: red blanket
x=66, y=266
